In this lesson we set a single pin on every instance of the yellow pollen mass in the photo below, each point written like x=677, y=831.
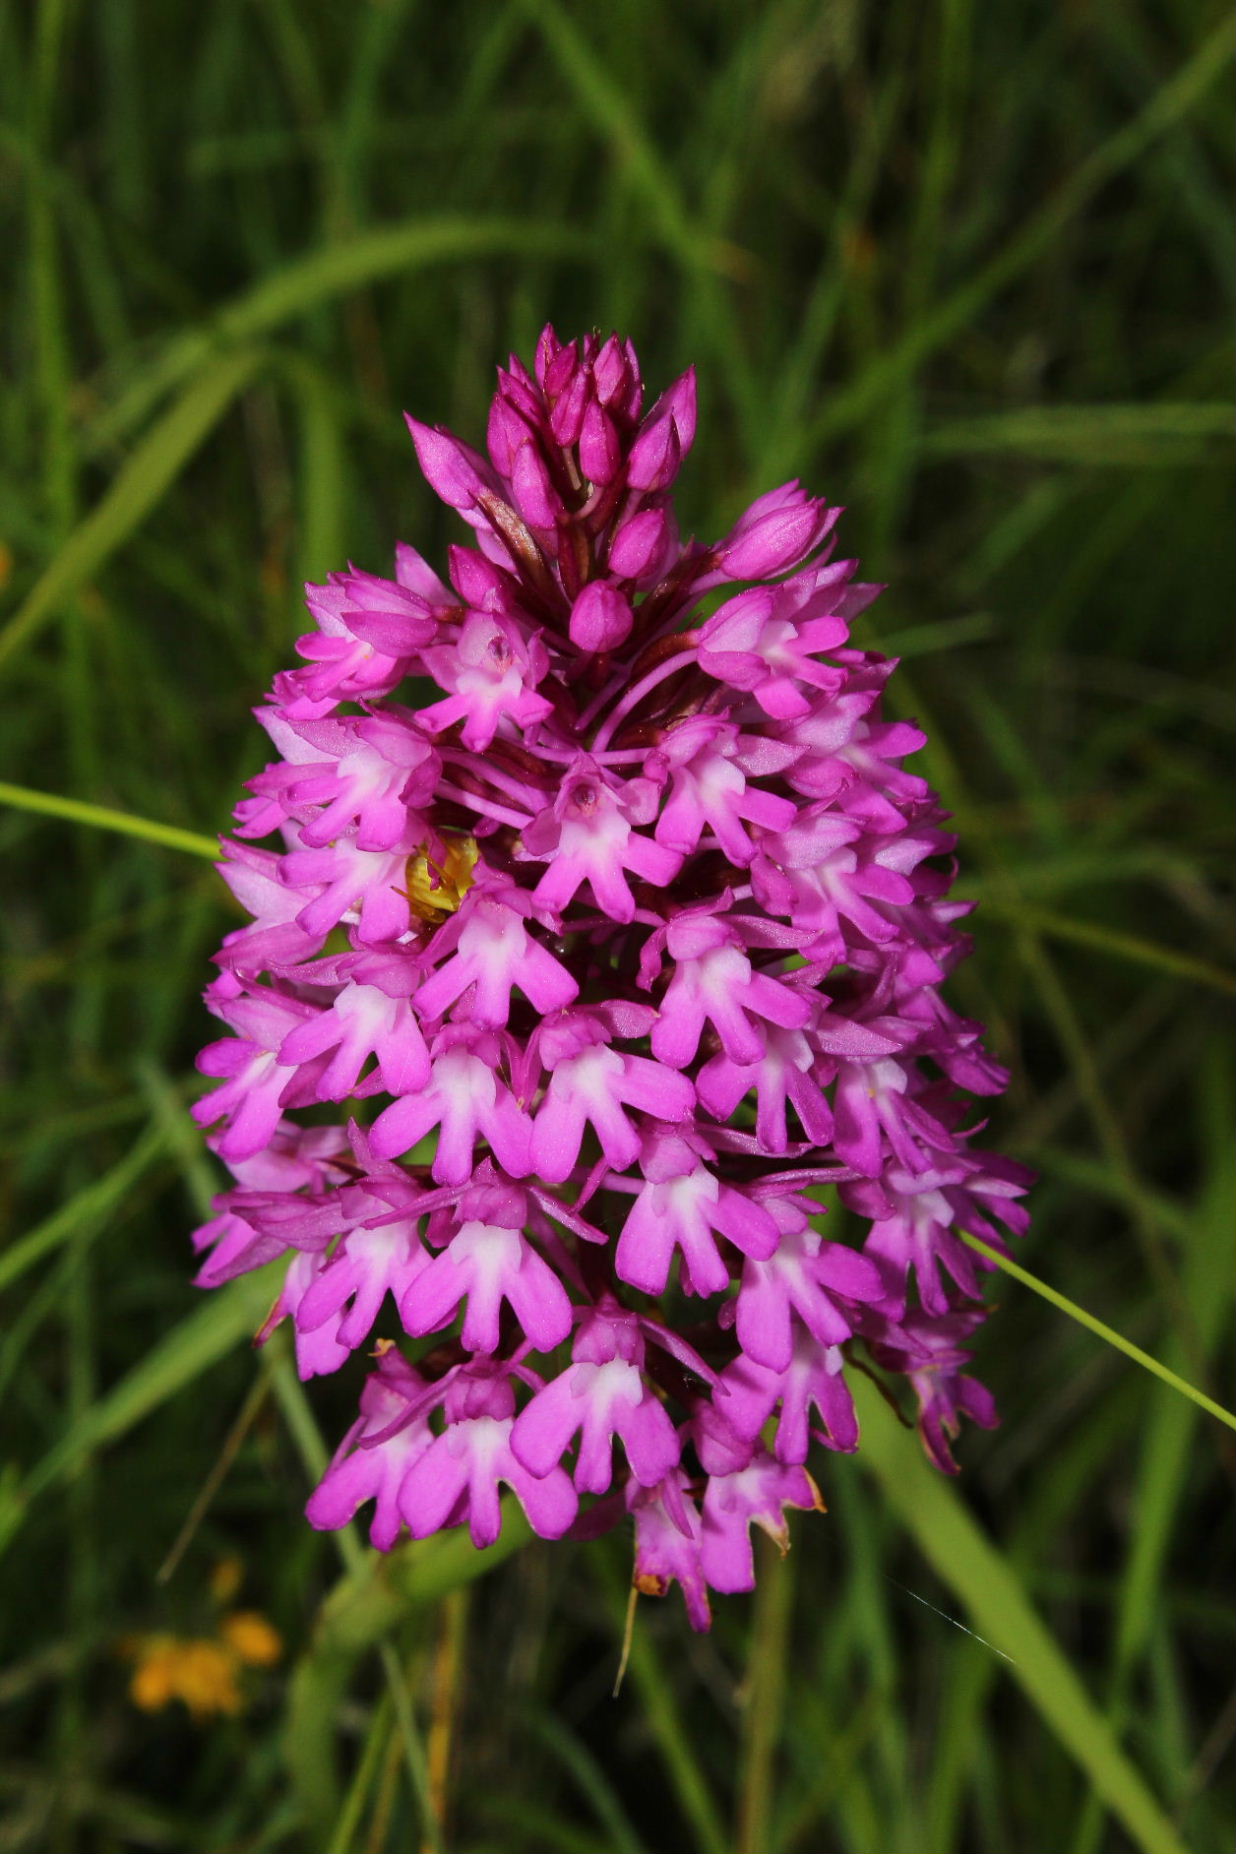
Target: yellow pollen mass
x=436, y=889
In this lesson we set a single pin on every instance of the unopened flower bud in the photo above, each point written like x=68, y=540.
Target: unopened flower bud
x=640, y=545
x=600, y=455
x=600, y=618
x=531, y=488
x=776, y=532
x=656, y=453
x=452, y=469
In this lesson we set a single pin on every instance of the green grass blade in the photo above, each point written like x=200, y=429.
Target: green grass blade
x=604, y=103
x=139, y=485
x=168, y=1112
x=323, y=484
x=1168, y=1455
x=86, y=1207
x=1102, y=1179
x=1166, y=108
x=1065, y=1305
x=610, y=112
x=968, y=1562
x=1111, y=940
x=709, y=259
x=103, y=817
x=347, y=1827
x=336, y=270
x=378, y=1591
x=198, y=1342
x=591, y=1781
x=766, y=1683
x=1157, y=433
x=380, y=1588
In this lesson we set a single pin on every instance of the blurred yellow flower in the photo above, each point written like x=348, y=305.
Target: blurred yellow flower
x=203, y=1671
x=200, y=1672
x=251, y=1638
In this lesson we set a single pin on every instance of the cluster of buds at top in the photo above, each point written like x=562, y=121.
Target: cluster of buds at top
x=618, y=958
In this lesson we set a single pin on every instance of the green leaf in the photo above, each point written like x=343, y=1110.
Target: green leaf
x=139, y=485
x=972, y=1567
x=230, y=1314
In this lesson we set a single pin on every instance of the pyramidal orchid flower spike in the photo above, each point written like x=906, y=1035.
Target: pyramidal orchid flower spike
x=618, y=962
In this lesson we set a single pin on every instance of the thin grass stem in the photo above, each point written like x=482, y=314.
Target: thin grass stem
x=103, y=817
x=1065, y=1305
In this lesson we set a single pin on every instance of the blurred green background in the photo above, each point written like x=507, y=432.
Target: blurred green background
x=968, y=270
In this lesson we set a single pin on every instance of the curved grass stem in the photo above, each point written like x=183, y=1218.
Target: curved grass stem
x=103, y=817
x=1112, y=1337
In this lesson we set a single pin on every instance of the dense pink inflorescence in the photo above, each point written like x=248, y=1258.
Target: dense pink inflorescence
x=619, y=956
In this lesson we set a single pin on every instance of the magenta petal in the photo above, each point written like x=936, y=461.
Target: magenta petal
x=668, y=1541
x=733, y=1503
x=551, y=1503
x=544, y=1429
x=435, y=1482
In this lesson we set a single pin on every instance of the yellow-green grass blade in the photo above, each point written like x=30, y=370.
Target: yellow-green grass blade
x=1113, y=1338
x=105, y=817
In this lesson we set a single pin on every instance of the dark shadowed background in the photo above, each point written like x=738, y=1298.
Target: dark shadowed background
x=966, y=269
